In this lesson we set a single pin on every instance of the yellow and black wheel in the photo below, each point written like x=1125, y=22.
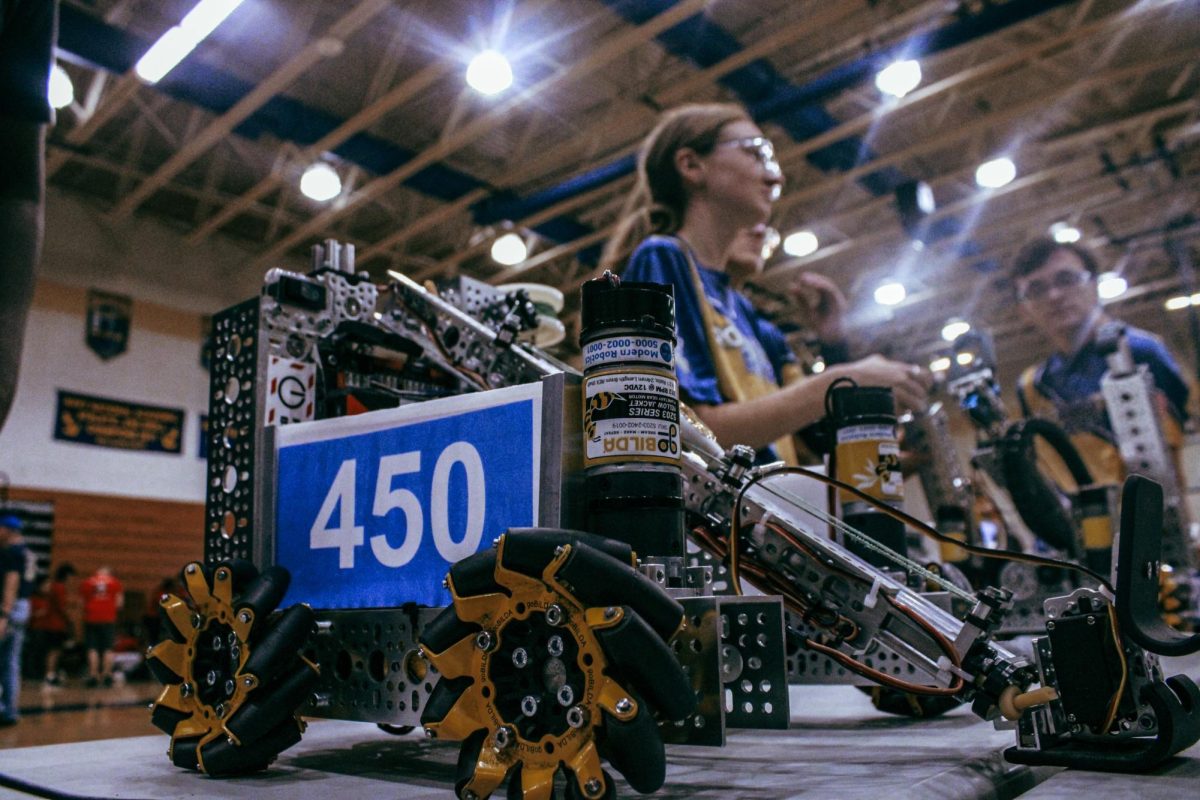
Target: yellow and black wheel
x=907, y=704
x=232, y=670
x=554, y=655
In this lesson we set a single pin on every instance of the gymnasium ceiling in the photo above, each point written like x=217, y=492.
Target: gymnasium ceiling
x=1097, y=102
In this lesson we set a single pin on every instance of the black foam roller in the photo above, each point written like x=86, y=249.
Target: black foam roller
x=598, y=580
x=183, y=753
x=468, y=757
x=635, y=749
x=161, y=672
x=264, y=710
x=222, y=758
x=636, y=653
x=445, y=694
x=445, y=630
x=280, y=643
x=166, y=719
x=263, y=593
x=529, y=550
x=476, y=575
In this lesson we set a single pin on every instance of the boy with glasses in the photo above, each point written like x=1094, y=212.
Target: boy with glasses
x=1055, y=285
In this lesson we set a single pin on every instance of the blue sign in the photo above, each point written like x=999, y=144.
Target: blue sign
x=372, y=510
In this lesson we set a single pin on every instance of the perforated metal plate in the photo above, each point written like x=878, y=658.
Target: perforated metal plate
x=370, y=670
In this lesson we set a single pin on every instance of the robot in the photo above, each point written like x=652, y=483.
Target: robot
x=421, y=494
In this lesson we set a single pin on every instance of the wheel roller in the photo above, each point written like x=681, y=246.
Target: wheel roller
x=232, y=669
x=552, y=654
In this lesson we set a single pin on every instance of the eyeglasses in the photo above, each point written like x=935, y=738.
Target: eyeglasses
x=761, y=148
x=1062, y=280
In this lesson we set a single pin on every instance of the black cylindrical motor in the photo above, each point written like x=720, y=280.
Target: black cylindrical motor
x=867, y=457
x=631, y=453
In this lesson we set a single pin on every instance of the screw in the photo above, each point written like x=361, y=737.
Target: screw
x=555, y=646
x=555, y=615
x=222, y=575
x=529, y=705
x=248, y=681
x=558, y=551
x=593, y=787
x=576, y=717
x=502, y=739
x=484, y=641
x=244, y=617
x=230, y=687
x=446, y=582
x=624, y=706
x=566, y=695
x=1091, y=620
x=496, y=541
x=233, y=640
x=1049, y=626
x=430, y=733
x=185, y=690
x=211, y=677
x=235, y=652
x=610, y=612
x=197, y=621
x=520, y=658
x=191, y=569
x=220, y=710
x=217, y=644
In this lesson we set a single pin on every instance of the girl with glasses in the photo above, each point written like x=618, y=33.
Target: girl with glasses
x=705, y=174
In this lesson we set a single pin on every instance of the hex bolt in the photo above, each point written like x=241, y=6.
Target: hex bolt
x=484, y=641
x=222, y=575
x=235, y=653
x=247, y=681
x=211, y=677
x=624, y=705
x=555, y=615
x=217, y=642
x=576, y=716
x=197, y=621
x=555, y=646
x=233, y=640
x=593, y=787
x=610, y=612
x=244, y=617
x=529, y=705
x=185, y=690
x=220, y=709
x=520, y=658
x=230, y=687
x=566, y=695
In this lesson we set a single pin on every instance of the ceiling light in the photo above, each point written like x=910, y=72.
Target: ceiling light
x=1176, y=303
x=954, y=329
x=509, y=250
x=320, y=182
x=940, y=364
x=1110, y=285
x=1064, y=233
x=174, y=45
x=964, y=359
x=891, y=293
x=899, y=78
x=62, y=92
x=800, y=244
x=489, y=73
x=995, y=173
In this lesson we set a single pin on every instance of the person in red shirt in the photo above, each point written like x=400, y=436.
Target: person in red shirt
x=103, y=596
x=50, y=621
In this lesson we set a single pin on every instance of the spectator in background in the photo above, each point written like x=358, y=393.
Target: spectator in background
x=103, y=596
x=18, y=573
x=50, y=621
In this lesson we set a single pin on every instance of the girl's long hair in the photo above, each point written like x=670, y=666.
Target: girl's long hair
x=658, y=201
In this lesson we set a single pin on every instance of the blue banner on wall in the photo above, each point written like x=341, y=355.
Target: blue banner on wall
x=106, y=422
x=372, y=510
